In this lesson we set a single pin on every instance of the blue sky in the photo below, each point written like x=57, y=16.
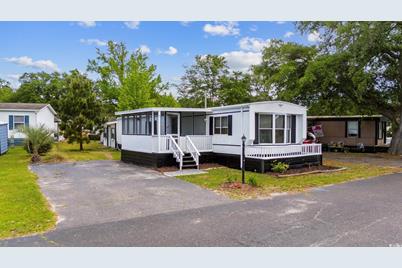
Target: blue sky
x=63, y=46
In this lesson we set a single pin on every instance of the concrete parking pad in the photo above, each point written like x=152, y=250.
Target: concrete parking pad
x=86, y=193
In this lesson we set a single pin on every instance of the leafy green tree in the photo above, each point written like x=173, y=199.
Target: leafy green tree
x=368, y=55
x=202, y=81
x=6, y=92
x=79, y=108
x=39, y=88
x=236, y=88
x=126, y=80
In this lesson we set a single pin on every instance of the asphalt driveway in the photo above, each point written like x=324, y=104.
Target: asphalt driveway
x=86, y=193
x=358, y=213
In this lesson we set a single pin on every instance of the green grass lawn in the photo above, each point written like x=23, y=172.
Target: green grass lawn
x=268, y=184
x=23, y=208
x=64, y=152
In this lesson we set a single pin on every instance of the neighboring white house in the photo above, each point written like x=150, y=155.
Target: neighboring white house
x=18, y=115
x=112, y=134
x=274, y=130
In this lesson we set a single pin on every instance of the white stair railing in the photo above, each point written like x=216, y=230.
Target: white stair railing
x=177, y=152
x=192, y=149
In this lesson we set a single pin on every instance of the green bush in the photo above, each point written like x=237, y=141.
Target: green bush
x=252, y=181
x=44, y=148
x=279, y=167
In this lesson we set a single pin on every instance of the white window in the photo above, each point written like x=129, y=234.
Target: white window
x=352, y=128
x=279, y=128
x=265, y=128
x=274, y=128
x=221, y=125
x=19, y=121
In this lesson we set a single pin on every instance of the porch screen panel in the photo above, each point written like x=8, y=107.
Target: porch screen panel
x=199, y=125
x=155, y=123
x=131, y=125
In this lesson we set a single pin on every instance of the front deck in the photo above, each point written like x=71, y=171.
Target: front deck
x=198, y=145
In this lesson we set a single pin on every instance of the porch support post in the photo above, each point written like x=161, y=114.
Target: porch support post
x=159, y=131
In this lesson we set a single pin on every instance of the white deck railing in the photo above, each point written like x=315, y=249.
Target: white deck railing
x=177, y=152
x=201, y=142
x=192, y=149
x=282, y=151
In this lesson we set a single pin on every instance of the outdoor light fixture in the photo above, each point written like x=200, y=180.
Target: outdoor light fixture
x=243, y=158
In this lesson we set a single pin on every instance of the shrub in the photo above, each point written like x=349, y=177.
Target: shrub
x=42, y=149
x=279, y=167
x=252, y=181
x=37, y=138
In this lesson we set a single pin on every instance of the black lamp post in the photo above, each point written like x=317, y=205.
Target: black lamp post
x=243, y=158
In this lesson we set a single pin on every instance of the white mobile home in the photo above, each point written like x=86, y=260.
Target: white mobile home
x=274, y=130
x=111, y=136
x=18, y=115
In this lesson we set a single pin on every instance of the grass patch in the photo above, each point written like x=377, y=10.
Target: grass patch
x=64, y=152
x=23, y=209
x=268, y=184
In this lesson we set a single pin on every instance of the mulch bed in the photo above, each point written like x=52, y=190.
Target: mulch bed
x=304, y=170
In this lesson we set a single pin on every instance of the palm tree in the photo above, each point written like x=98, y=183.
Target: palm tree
x=35, y=139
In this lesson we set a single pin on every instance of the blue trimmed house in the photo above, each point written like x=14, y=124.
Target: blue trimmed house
x=19, y=115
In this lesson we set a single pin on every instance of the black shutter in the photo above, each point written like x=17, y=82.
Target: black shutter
x=257, y=118
x=358, y=128
x=346, y=129
x=293, y=130
x=211, y=125
x=230, y=125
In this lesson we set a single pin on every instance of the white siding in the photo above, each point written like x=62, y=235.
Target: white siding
x=231, y=144
x=137, y=143
x=46, y=117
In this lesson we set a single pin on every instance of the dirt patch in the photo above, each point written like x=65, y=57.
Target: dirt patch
x=303, y=170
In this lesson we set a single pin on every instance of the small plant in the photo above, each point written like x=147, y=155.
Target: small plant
x=279, y=167
x=37, y=138
x=231, y=179
x=252, y=181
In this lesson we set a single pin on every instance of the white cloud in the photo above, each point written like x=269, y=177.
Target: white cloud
x=222, y=29
x=132, y=24
x=13, y=77
x=87, y=24
x=280, y=22
x=170, y=51
x=253, y=43
x=185, y=23
x=95, y=42
x=314, y=36
x=45, y=65
x=242, y=60
x=254, y=28
x=288, y=34
x=144, y=49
